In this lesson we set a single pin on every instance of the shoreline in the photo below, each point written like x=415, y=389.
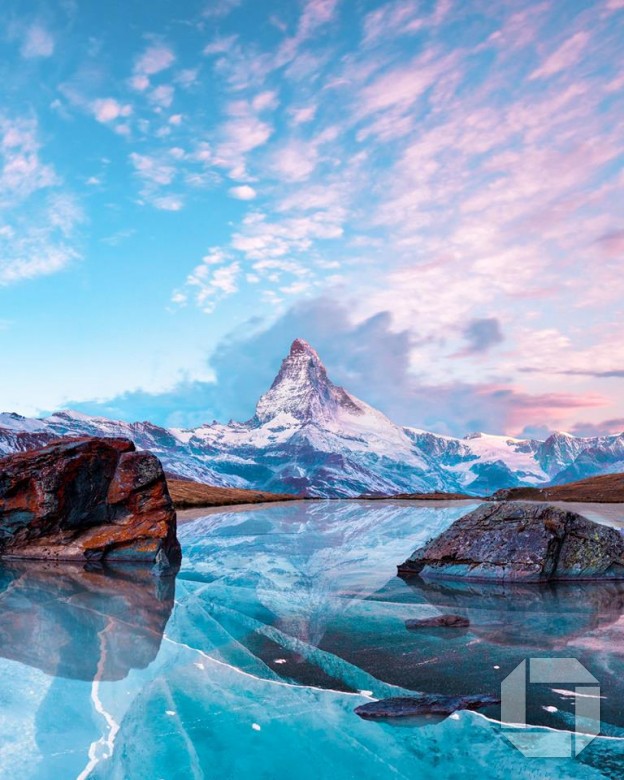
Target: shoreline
x=609, y=513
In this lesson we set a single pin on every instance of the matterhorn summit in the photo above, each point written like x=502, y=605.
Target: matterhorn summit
x=303, y=390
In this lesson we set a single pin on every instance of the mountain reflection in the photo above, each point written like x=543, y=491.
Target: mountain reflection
x=549, y=615
x=79, y=624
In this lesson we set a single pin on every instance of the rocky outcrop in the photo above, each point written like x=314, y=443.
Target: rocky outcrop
x=424, y=704
x=438, y=621
x=87, y=499
x=521, y=541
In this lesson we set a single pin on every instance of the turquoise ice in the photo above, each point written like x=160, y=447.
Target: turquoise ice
x=282, y=620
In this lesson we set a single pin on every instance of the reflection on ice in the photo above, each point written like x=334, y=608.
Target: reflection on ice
x=541, y=616
x=81, y=624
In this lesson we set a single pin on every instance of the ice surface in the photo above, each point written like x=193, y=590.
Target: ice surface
x=286, y=618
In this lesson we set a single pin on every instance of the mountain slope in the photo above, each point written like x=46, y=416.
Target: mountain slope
x=310, y=436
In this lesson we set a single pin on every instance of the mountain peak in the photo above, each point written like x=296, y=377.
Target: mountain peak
x=303, y=390
x=299, y=346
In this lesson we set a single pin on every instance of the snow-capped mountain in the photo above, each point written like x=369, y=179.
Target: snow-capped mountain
x=311, y=436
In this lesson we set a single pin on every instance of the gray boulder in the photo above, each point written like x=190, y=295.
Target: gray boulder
x=422, y=704
x=438, y=621
x=521, y=541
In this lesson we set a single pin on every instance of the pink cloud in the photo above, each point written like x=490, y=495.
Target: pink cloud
x=612, y=244
x=139, y=82
x=154, y=59
x=243, y=132
x=524, y=409
x=519, y=30
x=402, y=86
x=567, y=55
x=603, y=428
x=315, y=14
x=294, y=162
x=400, y=17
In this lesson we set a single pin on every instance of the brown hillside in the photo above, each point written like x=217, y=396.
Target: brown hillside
x=606, y=489
x=187, y=495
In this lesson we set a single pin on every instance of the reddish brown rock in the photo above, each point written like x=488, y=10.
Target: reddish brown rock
x=87, y=499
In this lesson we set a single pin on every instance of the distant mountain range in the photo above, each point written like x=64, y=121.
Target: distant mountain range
x=310, y=436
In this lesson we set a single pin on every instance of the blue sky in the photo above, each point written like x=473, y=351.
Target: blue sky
x=429, y=192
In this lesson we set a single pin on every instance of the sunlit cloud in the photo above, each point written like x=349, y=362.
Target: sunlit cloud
x=244, y=192
x=108, y=109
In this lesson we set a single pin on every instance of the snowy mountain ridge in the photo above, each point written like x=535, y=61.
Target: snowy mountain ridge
x=311, y=436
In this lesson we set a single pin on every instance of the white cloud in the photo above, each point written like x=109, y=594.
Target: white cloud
x=154, y=60
x=162, y=96
x=279, y=252
x=216, y=277
x=42, y=244
x=220, y=8
x=22, y=172
x=37, y=42
x=152, y=168
x=264, y=101
x=303, y=115
x=162, y=168
x=296, y=288
x=220, y=45
x=187, y=77
x=244, y=192
x=168, y=202
x=109, y=109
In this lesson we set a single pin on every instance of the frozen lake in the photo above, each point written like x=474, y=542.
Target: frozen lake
x=283, y=619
